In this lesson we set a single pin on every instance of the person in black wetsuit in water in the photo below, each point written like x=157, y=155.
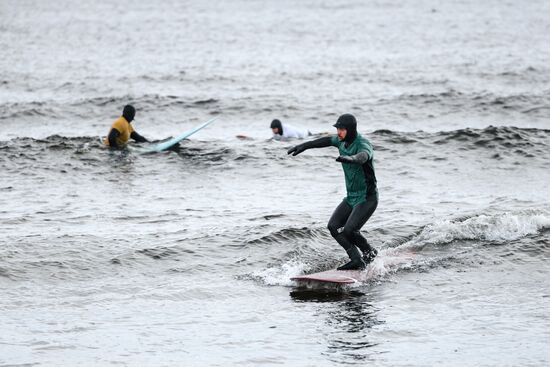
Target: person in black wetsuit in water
x=356, y=156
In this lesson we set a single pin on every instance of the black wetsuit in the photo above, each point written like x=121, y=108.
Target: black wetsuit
x=350, y=220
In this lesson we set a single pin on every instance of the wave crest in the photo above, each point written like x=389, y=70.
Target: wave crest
x=497, y=228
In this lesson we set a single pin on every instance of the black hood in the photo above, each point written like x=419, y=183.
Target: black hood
x=277, y=124
x=129, y=113
x=347, y=121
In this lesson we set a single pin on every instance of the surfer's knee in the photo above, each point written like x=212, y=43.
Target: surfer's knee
x=348, y=232
x=333, y=229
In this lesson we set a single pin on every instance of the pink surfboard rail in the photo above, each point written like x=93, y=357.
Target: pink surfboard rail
x=333, y=276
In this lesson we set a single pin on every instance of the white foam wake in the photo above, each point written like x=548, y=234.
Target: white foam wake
x=281, y=275
x=498, y=227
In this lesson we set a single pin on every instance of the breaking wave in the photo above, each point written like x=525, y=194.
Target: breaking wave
x=415, y=255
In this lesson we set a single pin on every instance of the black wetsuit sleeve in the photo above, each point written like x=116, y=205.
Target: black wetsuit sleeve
x=140, y=139
x=113, y=135
x=360, y=158
x=317, y=143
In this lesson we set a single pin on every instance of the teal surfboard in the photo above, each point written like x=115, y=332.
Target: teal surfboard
x=169, y=143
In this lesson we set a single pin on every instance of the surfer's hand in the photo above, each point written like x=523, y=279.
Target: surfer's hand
x=344, y=159
x=296, y=150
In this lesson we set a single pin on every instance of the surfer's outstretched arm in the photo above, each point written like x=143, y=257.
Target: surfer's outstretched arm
x=140, y=139
x=359, y=158
x=317, y=143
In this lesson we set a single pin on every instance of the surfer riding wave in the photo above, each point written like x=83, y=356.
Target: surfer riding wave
x=356, y=156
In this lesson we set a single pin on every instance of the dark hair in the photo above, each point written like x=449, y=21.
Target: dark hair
x=277, y=124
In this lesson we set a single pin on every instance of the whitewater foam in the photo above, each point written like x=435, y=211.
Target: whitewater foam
x=280, y=275
x=498, y=227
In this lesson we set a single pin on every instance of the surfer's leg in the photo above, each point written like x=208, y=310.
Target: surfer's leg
x=357, y=219
x=338, y=219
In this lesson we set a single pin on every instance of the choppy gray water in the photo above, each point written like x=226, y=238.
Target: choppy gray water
x=116, y=258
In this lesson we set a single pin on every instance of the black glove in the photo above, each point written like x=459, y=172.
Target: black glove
x=138, y=138
x=344, y=159
x=297, y=149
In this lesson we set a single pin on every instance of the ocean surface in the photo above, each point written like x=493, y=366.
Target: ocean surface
x=184, y=258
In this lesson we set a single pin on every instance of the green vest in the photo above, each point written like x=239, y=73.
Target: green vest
x=360, y=178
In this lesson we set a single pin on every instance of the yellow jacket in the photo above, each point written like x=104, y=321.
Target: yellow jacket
x=124, y=128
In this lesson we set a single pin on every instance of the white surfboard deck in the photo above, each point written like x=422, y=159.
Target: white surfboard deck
x=167, y=144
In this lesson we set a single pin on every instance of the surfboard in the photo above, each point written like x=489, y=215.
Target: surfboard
x=333, y=276
x=170, y=143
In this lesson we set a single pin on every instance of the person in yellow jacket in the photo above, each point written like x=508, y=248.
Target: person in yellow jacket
x=122, y=130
